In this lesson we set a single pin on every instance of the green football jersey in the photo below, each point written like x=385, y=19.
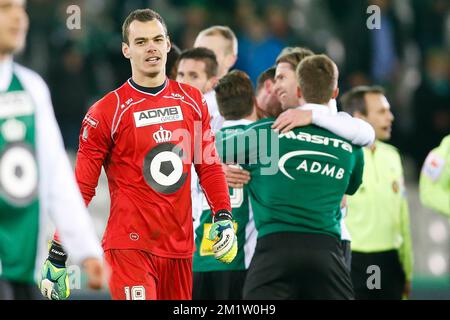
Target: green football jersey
x=19, y=205
x=204, y=260
x=297, y=179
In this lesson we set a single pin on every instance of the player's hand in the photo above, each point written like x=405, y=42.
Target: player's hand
x=236, y=177
x=95, y=272
x=344, y=202
x=224, y=236
x=292, y=118
x=407, y=290
x=54, y=281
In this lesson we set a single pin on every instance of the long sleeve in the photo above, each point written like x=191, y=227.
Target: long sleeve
x=434, y=185
x=357, y=174
x=95, y=143
x=358, y=131
x=210, y=172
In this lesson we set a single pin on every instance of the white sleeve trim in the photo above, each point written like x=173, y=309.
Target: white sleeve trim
x=358, y=131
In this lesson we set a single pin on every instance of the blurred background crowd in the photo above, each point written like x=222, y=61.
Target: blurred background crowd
x=409, y=56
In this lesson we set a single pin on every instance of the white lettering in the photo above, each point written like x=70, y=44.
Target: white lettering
x=340, y=173
x=74, y=20
x=156, y=116
x=373, y=21
x=303, y=166
x=317, y=139
x=315, y=167
x=328, y=171
x=303, y=136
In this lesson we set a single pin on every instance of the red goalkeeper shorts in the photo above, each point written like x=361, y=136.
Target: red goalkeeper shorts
x=138, y=275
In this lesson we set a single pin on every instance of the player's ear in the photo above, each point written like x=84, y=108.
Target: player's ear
x=169, y=44
x=212, y=82
x=299, y=92
x=335, y=93
x=126, y=50
x=230, y=60
x=268, y=84
x=359, y=115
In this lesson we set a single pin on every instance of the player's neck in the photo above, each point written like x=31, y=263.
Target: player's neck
x=373, y=146
x=304, y=103
x=253, y=116
x=4, y=57
x=149, y=82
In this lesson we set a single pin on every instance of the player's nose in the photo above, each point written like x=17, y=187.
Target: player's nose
x=276, y=88
x=150, y=49
x=391, y=116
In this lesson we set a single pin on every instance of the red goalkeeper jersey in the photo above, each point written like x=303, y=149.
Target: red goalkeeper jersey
x=145, y=141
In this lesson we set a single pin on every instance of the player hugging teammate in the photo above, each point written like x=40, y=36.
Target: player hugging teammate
x=257, y=235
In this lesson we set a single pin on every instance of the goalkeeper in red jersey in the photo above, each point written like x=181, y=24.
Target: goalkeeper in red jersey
x=144, y=134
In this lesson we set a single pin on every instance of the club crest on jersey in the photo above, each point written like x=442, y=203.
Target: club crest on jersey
x=162, y=135
x=157, y=116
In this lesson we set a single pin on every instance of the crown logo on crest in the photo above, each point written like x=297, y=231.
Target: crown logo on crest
x=162, y=135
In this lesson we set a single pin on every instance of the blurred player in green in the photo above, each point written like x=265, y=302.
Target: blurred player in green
x=378, y=214
x=213, y=279
x=36, y=181
x=286, y=89
x=197, y=67
x=235, y=98
x=434, y=183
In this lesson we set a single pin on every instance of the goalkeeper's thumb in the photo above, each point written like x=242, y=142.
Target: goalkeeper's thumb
x=54, y=281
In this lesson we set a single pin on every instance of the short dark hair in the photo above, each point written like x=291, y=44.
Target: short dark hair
x=202, y=54
x=317, y=77
x=265, y=75
x=142, y=15
x=171, y=64
x=235, y=95
x=293, y=56
x=354, y=100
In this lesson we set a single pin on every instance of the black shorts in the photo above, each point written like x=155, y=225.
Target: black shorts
x=10, y=290
x=291, y=265
x=218, y=285
x=391, y=275
x=347, y=252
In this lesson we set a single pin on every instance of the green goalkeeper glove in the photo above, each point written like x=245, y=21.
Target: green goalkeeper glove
x=54, y=282
x=223, y=233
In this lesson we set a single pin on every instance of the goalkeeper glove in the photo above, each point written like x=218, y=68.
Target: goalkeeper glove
x=223, y=233
x=54, y=282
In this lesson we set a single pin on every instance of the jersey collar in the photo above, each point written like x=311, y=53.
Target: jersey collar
x=6, y=70
x=232, y=123
x=316, y=108
x=148, y=91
